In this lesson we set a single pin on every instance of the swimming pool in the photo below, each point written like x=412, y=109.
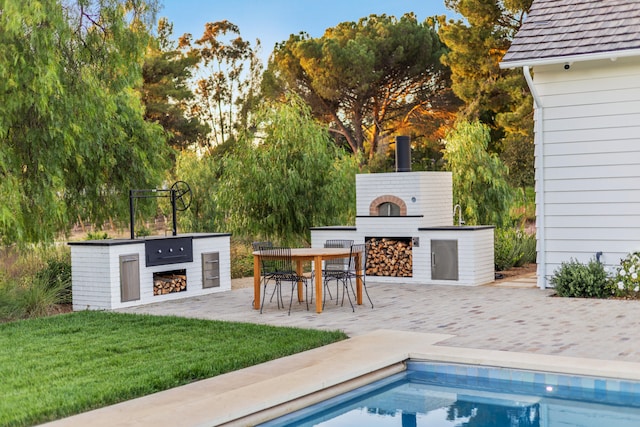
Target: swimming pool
x=442, y=394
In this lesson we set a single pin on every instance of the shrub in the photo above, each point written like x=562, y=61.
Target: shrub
x=44, y=280
x=626, y=282
x=513, y=248
x=575, y=279
x=57, y=275
x=241, y=259
x=97, y=235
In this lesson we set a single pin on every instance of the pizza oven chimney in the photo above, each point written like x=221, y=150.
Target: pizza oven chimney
x=403, y=154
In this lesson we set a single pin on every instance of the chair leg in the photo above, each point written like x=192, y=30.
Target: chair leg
x=264, y=294
x=345, y=289
x=277, y=292
x=294, y=285
x=328, y=291
x=364, y=286
x=272, y=294
x=324, y=294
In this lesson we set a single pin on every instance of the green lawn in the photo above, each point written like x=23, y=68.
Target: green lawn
x=57, y=366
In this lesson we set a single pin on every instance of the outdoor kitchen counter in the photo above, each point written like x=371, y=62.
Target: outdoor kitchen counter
x=112, y=242
x=457, y=228
x=116, y=273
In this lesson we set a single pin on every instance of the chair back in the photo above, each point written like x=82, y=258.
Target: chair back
x=361, y=249
x=337, y=264
x=276, y=260
x=259, y=245
x=338, y=243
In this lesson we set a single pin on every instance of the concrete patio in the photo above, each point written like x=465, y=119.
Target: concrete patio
x=508, y=315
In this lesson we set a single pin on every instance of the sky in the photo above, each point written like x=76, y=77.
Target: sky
x=272, y=21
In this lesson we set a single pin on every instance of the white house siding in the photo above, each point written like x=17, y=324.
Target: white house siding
x=591, y=135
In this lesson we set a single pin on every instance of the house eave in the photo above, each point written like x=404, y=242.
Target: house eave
x=533, y=62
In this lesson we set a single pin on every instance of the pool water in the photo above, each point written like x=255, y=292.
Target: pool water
x=448, y=395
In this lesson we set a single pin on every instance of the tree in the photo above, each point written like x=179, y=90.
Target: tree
x=286, y=178
x=228, y=85
x=73, y=138
x=498, y=98
x=203, y=174
x=364, y=78
x=166, y=93
x=479, y=179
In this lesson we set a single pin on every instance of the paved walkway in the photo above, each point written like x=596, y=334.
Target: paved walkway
x=507, y=315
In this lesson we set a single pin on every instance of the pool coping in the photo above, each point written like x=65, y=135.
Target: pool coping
x=262, y=392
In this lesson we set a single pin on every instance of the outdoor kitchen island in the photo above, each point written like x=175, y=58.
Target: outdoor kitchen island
x=407, y=220
x=116, y=273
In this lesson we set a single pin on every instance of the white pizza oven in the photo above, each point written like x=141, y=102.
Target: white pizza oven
x=115, y=273
x=407, y=218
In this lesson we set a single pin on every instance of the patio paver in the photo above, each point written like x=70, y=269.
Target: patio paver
x=509, y=315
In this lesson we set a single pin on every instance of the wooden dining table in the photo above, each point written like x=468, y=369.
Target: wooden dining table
x=317, y=255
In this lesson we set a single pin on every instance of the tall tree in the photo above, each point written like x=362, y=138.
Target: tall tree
x=498, y=98
x=72, y=134
x=479, y=177
x=286, y=177
x=361, y=78
x=228, y=83
x=166, y=92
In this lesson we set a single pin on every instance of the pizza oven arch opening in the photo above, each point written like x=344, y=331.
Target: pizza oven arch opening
x=388, y=205
x=388, y=209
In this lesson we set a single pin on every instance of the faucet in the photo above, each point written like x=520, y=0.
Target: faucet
x=459, y=209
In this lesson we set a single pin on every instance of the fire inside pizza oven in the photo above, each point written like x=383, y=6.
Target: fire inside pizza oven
x=390, y=256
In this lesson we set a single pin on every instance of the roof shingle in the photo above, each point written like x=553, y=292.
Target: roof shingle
x=562, y=28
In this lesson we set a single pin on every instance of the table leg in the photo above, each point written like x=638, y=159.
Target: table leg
x=299, y=273
x=358, y=278
x=256, y=282
x=317, y=265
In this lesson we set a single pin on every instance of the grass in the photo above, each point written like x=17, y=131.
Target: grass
x=53, y=367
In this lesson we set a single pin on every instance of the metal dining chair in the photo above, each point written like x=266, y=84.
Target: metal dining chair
x=263, y=278
x=278, y=265
x=335, y=267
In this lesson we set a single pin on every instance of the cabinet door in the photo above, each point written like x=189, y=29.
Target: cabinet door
x=129, y=277
x=210, y=269
x=444, y=260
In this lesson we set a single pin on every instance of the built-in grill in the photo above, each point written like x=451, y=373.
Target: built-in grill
x=168, y=251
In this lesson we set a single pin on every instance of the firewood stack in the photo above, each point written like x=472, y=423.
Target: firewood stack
x=169, y=283
x=390, y=257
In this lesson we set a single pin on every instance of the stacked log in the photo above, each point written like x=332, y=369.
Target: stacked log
x=390, y=257
x=168, y=283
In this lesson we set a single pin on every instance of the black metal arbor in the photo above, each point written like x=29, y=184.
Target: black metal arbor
x=179, y=193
